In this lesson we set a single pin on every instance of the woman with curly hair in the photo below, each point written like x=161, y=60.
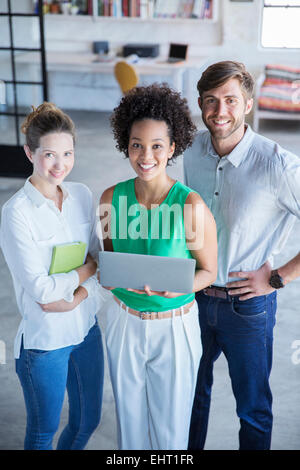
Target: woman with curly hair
x=152, y=338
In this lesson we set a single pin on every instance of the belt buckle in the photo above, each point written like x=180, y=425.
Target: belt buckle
x=143, y=315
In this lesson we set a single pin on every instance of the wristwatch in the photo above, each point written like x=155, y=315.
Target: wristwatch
x=276, y=280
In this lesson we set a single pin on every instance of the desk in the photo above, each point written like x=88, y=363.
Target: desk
x=67, y=69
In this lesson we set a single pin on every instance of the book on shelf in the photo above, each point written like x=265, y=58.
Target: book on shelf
x=208, y=9
x=165, y=9
x=176, y=8
x=117, y=9
x=183, y=9
x=203, y=9
x=106, y=8
x=126, y=8
x=134, y=8
x=186, y=8
x=145, y=9
x=90, y=7
x=159, y=9
x=111, y=8
x=151, y=4
x=198, y=9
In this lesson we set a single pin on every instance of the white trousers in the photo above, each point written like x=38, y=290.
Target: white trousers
x=153, y=367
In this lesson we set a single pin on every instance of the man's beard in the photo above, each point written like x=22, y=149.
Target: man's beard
x=221, y=134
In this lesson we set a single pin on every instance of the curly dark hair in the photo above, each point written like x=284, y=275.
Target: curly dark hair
x=158, y=102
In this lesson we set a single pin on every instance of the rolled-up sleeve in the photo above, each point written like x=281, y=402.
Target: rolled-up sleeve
x=288, y=194
x=25, y=262
x=96, y=291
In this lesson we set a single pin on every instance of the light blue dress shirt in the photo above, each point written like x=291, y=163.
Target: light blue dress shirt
x=253, y=194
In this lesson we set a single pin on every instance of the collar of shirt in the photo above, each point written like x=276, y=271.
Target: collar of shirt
x=37, y=197
x=238, y=153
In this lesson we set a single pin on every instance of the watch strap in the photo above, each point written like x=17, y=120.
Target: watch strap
x=276, y=281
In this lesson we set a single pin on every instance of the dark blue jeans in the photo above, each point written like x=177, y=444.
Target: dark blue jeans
x=243, y=331
x=45, y=375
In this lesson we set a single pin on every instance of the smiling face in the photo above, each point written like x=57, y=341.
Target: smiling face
x=223, y=111
x=149, y=148
x=53, y=160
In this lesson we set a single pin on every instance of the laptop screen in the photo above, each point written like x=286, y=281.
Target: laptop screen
x=178, y=51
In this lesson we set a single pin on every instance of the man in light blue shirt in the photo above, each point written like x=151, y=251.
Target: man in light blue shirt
x=252, y=187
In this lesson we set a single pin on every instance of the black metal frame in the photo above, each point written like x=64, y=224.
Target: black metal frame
x=13, y=162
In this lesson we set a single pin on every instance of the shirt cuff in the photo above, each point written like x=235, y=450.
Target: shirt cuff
x=89, y=286
x=96, y=291
x=69, y=297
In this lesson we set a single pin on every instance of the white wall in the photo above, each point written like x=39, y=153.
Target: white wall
x=77, y=33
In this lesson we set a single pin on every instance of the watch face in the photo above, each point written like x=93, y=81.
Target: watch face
x=276, y=281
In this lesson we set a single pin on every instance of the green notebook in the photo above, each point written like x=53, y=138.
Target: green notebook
x=67, y=257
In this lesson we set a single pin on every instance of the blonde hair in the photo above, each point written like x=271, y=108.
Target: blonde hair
x=45, y=119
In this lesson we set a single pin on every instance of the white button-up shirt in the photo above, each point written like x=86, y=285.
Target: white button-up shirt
x=253, y=194
x=30, y=226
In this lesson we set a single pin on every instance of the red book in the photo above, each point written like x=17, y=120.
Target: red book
x=90, y=7
x=138, y=8
x=125, y=7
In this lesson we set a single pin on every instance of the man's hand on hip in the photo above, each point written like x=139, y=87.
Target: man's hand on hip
x=254, y=283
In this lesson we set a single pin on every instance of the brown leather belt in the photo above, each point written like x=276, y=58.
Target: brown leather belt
x=216, y=291
x=155, y=315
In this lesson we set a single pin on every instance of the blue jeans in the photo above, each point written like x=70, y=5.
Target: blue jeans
x=243, y=331
x=45, y=375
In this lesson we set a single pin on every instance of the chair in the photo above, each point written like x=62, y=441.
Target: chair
x=125, y=75
x=277, y=94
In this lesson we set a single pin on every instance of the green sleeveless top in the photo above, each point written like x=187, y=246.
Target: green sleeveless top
x=158, y=231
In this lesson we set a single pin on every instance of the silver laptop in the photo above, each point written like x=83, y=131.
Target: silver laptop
x=160, y=273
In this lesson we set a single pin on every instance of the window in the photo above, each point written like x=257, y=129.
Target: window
x=280, y=24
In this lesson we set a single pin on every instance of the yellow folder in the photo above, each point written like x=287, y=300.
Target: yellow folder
x=67, y=257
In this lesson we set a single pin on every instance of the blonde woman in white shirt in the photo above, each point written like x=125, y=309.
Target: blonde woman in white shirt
x=58, y=344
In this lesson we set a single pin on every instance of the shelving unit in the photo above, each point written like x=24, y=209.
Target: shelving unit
x=88, y=19
x=156, y=17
